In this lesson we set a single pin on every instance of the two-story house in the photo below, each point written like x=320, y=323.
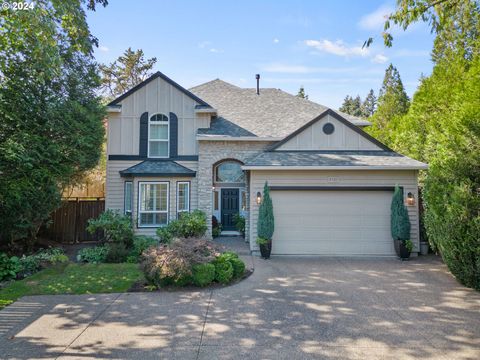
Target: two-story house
x=213, y=147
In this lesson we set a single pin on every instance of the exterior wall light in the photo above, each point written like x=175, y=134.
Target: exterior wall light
x=410, y=199
x=213, y=188
x=259, y=198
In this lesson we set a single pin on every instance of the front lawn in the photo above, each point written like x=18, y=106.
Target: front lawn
x=74, y=279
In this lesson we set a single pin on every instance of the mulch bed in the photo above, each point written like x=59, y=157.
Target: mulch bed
x=142, y=286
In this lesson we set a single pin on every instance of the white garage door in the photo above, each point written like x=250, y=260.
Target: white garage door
x=332, y=222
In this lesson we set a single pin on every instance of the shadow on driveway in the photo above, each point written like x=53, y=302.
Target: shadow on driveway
x=290, y=308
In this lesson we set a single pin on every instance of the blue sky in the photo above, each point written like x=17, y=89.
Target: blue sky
x=316, y=44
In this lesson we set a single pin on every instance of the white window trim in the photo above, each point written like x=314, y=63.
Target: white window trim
x=139, y=212
x=188, y=197
x=156, y=140
x=125, y=198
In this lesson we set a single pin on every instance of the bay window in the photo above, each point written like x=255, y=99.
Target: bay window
x=153, y=204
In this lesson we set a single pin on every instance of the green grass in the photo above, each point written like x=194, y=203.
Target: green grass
x=74, y=279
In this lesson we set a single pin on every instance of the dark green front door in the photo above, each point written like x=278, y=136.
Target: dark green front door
x=230, y=207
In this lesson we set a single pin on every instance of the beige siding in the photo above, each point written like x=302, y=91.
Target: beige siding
x=158, y=96
x=115, y=190
x=343, y=138
x=405, y=178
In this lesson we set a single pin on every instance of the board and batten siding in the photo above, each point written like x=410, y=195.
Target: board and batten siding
x=115, y=191
x=343, y=138
x=405, y=178
x=157, y=96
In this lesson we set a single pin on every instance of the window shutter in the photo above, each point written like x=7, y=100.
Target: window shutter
x=173, y=135
x=143, y=148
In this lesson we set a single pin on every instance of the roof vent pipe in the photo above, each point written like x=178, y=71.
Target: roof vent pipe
x=258, y=83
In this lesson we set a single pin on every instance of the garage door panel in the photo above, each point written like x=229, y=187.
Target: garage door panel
x=332, y=222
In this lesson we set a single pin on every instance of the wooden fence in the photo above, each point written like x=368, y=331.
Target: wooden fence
x=68, y=223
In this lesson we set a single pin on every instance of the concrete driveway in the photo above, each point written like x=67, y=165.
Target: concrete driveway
x=290, y=308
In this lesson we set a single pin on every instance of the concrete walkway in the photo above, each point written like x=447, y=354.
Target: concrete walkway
x=290, y=308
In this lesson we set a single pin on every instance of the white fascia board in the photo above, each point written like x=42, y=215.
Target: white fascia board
x=206, y=111
x=232, y=138
x=383, y=167
x=114, y=109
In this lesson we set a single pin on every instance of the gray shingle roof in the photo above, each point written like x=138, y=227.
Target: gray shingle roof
x=273, y=113
x=221, y=126
x=335, y=158
x=157, y=168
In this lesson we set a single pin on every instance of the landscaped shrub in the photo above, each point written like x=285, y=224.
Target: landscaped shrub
x=237, y=264
x=9, y=267
x=50, y=256
x=43, y=258
x=140, y=244
x=173, y=263
x=266, y=222
x=203, y=274
x=399, y=221
x=95, y=255
x=223, y=270
x=116, y=227
x=192, y=224
x=239, y=223
x=116, y=253
x=216, y=227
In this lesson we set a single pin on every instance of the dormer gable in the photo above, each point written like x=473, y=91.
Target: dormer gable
x=329, y=131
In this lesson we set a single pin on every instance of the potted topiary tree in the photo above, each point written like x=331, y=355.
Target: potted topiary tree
x=400, y=225
x=265, y=224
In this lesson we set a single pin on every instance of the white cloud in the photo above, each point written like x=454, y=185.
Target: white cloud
x=338, y=48
x=380, y=59
x=276, y=41
x=302, y=69
x=376, y=19
x=214, y=50
x=204, y=44
x=103, y=48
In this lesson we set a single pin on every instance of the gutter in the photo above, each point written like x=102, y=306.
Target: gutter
x=232, y=138
x=382, y=167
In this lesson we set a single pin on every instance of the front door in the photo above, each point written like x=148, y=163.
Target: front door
x=230, y=207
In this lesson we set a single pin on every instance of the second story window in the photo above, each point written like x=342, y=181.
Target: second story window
x=158, y=136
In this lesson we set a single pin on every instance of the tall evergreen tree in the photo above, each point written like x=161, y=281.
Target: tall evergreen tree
x=352, y=106
x=393, y=103
x=128, y=70
x=266, y=222
x=301, y=93
x=51, y=128
x=369, y=105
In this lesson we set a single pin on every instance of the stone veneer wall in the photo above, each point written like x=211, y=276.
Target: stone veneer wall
x=211, y=152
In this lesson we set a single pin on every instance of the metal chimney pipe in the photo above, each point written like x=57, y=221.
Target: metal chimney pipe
x=258, y=83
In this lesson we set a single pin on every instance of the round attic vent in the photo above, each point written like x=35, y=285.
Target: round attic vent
x=328, y=128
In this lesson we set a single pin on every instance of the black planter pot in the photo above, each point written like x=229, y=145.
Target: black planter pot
x=266, y=249
x=404, y=253
x=396, y=245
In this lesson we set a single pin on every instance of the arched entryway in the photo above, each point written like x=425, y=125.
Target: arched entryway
x=229, y=193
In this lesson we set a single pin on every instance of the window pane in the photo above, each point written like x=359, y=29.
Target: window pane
x=146, y=218
x=183, y=197
x=128, y=197
x=159, y=117
x=215, y=197
x=158, y=131
x=230, y=172
x=160, y=219
x=146, y=198
x=158, y=148
x=161, y=197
